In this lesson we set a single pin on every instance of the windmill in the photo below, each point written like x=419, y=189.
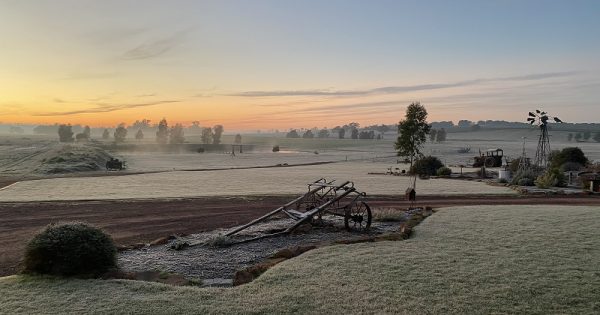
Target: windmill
x=543, y=149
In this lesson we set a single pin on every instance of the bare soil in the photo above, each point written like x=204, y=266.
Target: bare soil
x=142, y=221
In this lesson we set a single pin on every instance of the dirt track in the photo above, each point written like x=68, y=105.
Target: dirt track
x=133, y=221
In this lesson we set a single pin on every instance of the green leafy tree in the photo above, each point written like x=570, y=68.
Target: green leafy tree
x=412, y=132
x=217, y=132
x=341, y=133
x=162, y=134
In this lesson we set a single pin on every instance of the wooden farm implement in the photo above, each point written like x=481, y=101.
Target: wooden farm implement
x=323, y=197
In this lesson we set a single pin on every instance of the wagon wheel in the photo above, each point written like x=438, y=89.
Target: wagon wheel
x=490, y=162
x=358, y=217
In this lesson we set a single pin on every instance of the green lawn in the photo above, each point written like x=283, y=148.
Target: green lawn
x=485, y=259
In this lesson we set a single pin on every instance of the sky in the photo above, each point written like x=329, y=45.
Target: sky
x=281, y=64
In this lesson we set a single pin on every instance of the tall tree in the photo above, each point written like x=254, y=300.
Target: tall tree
x=597, y=137
x=162, y=134
x=432, y=135
x=323, y=133
x=176, y=134
x=105, y=134
x=139, y=135
x=87, y=132
x=412, y=132
x=238, y=139
x=292, y=134
x=578, y=136
x=341, y=133
x=218, y=131
x=120, y=133
x=353, y=132
x=570, y=137
x=207, y=135
x=441, y=135
x=308, y=134
x=65, y=133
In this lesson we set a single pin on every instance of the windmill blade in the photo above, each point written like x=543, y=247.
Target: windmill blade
x=537, y=111
x=531, y=123
x=557, y=120
x=543, y=113
x=531, y=114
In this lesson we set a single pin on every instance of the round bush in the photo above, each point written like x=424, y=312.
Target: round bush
x=426, y=166
x=570, y=166
x=275, y=148
x=70, y=249
x=443, y=171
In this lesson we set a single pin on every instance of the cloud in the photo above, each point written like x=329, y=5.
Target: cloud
x=89, y=75
x=59, y=100
x=400, y=89
x=154, y=48
x=105, y=108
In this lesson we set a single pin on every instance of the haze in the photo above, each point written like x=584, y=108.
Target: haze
x=282, y=64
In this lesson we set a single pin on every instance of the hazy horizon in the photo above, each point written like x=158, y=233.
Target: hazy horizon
x=281, y=64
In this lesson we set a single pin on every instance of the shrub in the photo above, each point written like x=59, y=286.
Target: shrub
x=70, y=249
x=502, y=181
x=427, y=165
x=551, y=178
x=527, y=174
x=525, y=181
x=571, y=154
x=443, y=171
x=276, y=148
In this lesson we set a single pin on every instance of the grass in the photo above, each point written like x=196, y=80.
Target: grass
x=484, y=259
x=387, y=214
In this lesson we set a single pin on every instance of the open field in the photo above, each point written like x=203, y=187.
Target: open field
x=242, y=182
x=482, y=259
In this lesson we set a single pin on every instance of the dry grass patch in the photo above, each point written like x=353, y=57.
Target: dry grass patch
x=477, y=260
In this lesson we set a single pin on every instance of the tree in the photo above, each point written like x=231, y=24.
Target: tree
x=587, y=135
x=432, y=135
x=207, y=135
x=570, y=154
x=292, y=134
x=383, y=129
x=578, y=136
x=475, y=127
x=341, y=133
x=218, y=131
x=139, y=135
x=308, y=134
x=195, y=127
x=597, y=137
x=412, y=132
x=105, y=134
x=353, y=132
x=120, y=133
x=366, y=134
x=141, y=124
x=323, y=133
x=176, y=134
x=441, y=135
x=87, y=132
x=464, y=123
x=238, y=139
x=570, y=137
x=162, y=134
x=65, y=133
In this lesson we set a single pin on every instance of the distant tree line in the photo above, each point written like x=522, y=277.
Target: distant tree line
x=352, y=129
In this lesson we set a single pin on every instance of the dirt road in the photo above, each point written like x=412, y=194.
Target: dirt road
x=133, y=221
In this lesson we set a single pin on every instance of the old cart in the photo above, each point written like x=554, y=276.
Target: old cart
x=323, y=197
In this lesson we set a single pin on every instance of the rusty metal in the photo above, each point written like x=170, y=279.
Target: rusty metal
x=322, y=197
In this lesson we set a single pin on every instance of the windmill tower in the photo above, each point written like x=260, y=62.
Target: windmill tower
x=543, y=148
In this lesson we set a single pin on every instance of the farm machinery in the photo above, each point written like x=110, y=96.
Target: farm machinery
x=323, y=197
x=115, y=165
x=491, y=158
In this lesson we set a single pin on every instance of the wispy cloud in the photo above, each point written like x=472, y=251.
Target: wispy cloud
x=105, y=108
x=401, y=89
x=154, y=48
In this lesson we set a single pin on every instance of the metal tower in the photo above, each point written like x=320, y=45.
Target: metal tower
x=543, y=149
